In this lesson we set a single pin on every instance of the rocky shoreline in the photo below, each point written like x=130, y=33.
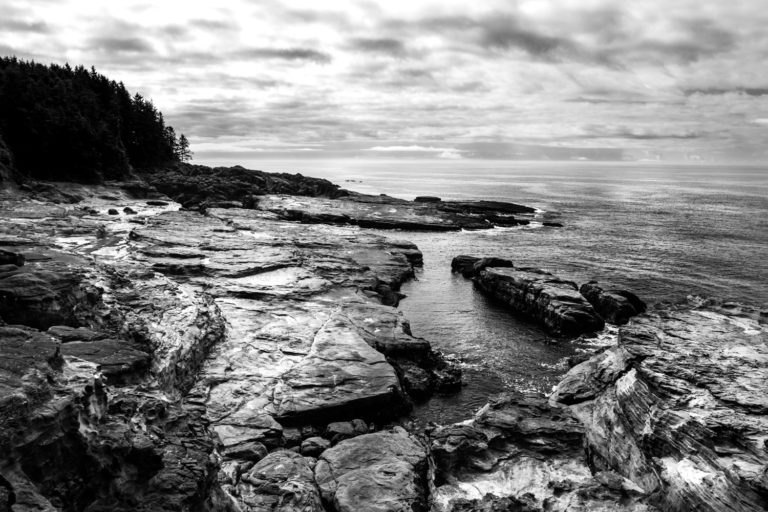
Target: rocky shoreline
x=242, y=353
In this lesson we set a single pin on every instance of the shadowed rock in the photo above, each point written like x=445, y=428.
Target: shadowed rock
x=553, y=303
x=615, y=306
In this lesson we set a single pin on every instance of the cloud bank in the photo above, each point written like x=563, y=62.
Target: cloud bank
x=493, y=79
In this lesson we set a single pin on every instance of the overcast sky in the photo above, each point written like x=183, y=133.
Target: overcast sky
x=445, y=79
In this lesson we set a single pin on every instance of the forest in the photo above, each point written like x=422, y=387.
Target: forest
x=64, y=123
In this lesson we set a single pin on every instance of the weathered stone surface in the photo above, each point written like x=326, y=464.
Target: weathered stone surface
x=679, y=407
x=282, y=481
x=195, y=184
x=383, y=471
x=553, y=303
x=118, y=360
x=523, y=453
x=470, y=266
x=615, y=306
x=384, y=212
x=314, y=446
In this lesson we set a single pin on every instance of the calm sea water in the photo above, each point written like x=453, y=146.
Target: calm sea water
x=663, y=231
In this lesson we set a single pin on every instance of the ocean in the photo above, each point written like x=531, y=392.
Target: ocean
x=664, y=231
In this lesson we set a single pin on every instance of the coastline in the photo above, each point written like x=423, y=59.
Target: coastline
x=332, y=363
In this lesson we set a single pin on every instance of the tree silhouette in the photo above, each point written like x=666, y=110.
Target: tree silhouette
x=60, y=122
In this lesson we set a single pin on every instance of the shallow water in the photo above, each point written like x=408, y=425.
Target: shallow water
x=663, y=231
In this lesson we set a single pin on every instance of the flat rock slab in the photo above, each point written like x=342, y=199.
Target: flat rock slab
x=117, y=359
x=553, y=303
x=383, y=471
x=385, y=212
x=688, y=390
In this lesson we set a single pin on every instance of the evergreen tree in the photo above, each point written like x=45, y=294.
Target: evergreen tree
x=182, y=152
x=60, y=122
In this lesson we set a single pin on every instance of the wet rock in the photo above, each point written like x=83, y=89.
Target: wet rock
x=314, y=446
x=426, y=199
x=129, y=211
x=384, y=212
x=553, y=303
x=11, y=258
x=248, y=451
x=524, y=453
x=118, y=360
x=282, y=481
x=470, y=266
x=615, y=306
x=679, y=408
x=552, y=224
x=41, y=297
x=377, y=472
x=67, y=334
x=113, y=211
x=156, y=202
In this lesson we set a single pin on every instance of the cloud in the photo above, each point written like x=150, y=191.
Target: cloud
x=749, y=91
x=414, y=149
x=306, y=54
x=450, y=155
x=387, y=46
x=12, y=25
x=121, y=45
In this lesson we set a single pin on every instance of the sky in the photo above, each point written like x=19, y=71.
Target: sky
x=544, y=79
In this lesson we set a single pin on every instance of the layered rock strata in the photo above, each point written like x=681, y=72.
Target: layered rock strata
x=521, y=453
x=615, y=306
x=680, y=408
x=164, y=353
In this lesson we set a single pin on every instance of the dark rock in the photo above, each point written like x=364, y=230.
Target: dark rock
x=129, y=211
x=117, y=359
x=291, y=436
x=615, y=306
x=493, y=503
x=340, y=430
x=156, y=202
x=42, y=298
x=11, y=258
x=67, y=334
x=470, y=266
x=314, y=446
x=379, y=471
x=113, y=211
x=553, y=303
x=551, y=224
x=250, y=451
x=427, y=199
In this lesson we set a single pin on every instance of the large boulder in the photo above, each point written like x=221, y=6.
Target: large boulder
x=615, y=306
x=282, y=481
x=383, y=471
x=553, y=303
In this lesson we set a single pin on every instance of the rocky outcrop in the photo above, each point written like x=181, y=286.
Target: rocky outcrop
x=615, y=306
x=470, y=266
x=679, y=408
x=166, y=353
x=383, y=471
x=384, y=212
x=196, y=184
x=553, y=303
x=522, y=453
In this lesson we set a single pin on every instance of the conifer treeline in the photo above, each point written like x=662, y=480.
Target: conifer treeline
x=75, y=124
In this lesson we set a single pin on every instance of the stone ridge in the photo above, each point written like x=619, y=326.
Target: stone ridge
x=680, y=408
